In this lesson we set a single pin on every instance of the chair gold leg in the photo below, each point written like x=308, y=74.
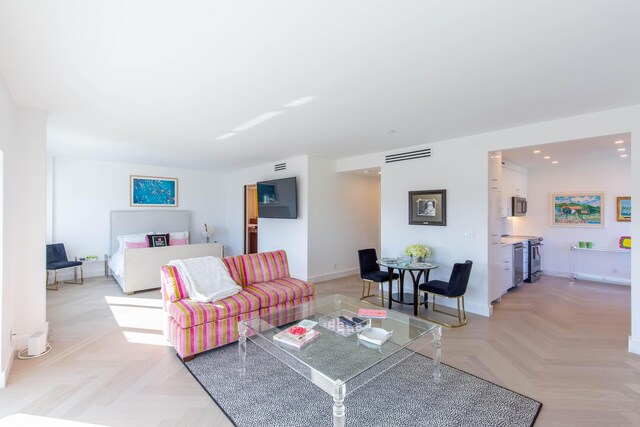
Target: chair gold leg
x=54, y=285
x=461, y=316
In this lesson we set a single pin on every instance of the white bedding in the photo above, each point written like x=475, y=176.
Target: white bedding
x=206, y=278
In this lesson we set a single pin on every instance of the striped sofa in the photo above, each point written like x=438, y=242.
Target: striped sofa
x=193, y=327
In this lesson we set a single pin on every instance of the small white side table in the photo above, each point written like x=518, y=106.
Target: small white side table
x=105, y=260
x=575, y=249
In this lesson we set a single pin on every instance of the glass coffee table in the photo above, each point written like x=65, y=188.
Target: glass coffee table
x=338, y=361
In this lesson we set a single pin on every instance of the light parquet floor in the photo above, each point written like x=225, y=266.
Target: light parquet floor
x=560, y=343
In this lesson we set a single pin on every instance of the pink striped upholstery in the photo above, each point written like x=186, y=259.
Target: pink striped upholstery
x=191, y=313
x=262, y=267
x=280, y=291
x=233, y=266
x=288, y=312
x=172, y=283
x=203, y=337
x=194, y=327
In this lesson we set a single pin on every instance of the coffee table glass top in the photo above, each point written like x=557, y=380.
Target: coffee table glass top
x=334, y=358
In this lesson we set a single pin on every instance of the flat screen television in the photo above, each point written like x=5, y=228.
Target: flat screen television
x=278, y=198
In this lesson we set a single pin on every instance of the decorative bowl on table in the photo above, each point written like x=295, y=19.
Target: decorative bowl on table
x=377, y=336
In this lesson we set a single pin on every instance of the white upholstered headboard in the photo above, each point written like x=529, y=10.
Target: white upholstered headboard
x=156, y=221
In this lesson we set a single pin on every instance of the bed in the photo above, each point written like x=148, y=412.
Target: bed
x=139, y=269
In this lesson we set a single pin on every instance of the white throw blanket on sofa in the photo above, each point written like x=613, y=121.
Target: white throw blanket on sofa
x=206, y=278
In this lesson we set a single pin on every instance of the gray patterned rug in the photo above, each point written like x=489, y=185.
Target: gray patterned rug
x=272, y=394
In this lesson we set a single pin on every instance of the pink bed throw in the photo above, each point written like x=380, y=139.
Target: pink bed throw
x=206, y=278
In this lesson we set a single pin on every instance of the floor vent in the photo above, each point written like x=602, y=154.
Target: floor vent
x=280, y=167
x=409, y=155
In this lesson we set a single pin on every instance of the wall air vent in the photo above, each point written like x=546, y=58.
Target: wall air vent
x=280, y=167
x=409, y=155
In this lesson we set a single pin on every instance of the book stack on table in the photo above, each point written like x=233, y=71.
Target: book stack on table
x=296, y=336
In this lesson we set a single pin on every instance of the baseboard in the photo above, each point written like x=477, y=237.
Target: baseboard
x=590, y=277
x=470, y=307
x=634, y=345
x=334, y=275
x=4, y=373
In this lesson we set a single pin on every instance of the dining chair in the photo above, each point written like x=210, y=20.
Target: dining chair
x=57, y=260
x=370, y=273
x=456, y=287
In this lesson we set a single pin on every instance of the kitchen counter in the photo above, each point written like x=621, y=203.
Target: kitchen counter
x=510, y=240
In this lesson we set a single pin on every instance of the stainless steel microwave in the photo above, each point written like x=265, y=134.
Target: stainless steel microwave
x=518, y=206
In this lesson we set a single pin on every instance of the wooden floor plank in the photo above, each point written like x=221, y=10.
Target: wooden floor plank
x=560, y=343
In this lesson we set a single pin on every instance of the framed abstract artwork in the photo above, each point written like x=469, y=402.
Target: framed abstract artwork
x=577, y=209
x=428, y=207
x=152, y=191
x=623, y=209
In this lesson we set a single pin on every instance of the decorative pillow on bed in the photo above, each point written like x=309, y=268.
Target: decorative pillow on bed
x=179, y=235
x=158, y=240
x=133, y=241
x=177, y=242
x=136, y=245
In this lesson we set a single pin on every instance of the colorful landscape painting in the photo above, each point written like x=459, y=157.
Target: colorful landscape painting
x=624, y=209
x=154, y=191
x=577, y=209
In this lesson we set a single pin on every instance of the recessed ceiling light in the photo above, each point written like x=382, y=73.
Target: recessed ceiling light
x=554, y=162
x=622, y=149
x=536, y=151
x=618, y=141
x=300, y=101
x=226, y=135
x=256, y=121
x=547, y=157
x=624, y=155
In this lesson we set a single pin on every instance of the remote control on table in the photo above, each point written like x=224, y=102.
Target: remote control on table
x=358, y=320
x=347, y=321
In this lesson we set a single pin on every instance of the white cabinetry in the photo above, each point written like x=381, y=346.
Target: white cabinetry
x=514, y=184
x=495, y=269
x=507, y=268
x=495, y=171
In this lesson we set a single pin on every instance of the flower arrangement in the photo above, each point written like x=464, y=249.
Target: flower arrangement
x=417, y=250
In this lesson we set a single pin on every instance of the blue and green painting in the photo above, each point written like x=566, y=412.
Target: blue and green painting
x=150, y=191
x=577, y=209
x=625, y=209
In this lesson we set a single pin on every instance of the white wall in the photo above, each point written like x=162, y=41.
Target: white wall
x=460, y=166
x=288, y=234
x=22, y=297
x=611, y=176
x=462, y=172
x=86, y=191
x=344, y=216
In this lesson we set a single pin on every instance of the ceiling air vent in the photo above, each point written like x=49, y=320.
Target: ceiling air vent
x=409, y=155
x=280, y=167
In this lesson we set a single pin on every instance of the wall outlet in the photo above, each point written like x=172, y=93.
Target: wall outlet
x=335, y=265
x=614, y=270
x=470, y=233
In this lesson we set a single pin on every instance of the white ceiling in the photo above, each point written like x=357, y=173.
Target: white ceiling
x=157, y=82
x=578, y=151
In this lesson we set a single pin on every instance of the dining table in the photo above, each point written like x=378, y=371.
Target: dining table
x=416, y=271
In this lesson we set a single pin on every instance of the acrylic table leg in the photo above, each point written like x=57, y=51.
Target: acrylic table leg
x=338, y=405
x=437, y=346
x=242, y=347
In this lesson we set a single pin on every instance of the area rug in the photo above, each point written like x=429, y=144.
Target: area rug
x=272, y=394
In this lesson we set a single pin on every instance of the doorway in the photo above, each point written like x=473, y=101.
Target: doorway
x=250, y=219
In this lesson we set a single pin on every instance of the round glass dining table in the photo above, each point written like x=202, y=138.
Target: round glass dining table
x=416, y=271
